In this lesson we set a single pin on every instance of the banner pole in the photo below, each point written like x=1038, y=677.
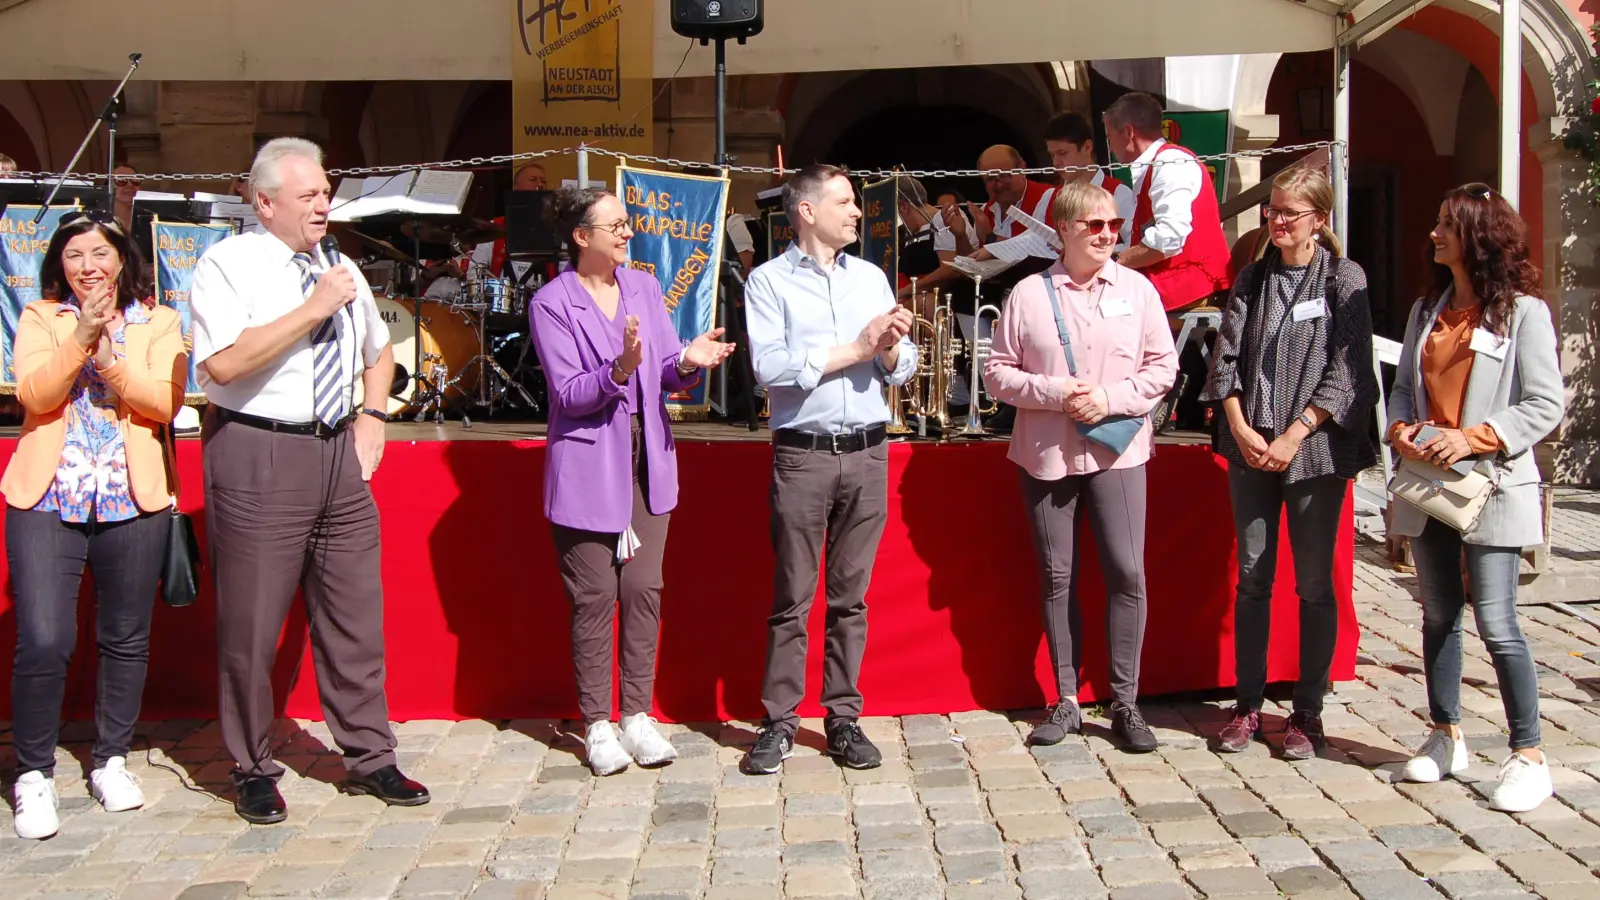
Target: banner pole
x=583, y=166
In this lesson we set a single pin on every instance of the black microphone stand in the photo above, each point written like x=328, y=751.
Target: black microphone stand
x=107, y=115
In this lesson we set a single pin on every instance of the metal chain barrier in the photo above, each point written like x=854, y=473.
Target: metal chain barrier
x=674, y=163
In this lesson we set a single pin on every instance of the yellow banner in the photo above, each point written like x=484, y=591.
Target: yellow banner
x=581, y=73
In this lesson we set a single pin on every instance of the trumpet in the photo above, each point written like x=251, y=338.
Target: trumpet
x=980, y=350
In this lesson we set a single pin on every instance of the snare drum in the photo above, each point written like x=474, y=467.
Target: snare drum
x=492, y=294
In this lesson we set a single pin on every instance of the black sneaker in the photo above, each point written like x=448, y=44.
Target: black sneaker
x=773, y=746
x=1128, y=723
x=1065, y=718
x=850, y=747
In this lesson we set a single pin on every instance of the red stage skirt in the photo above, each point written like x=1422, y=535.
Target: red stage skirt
x=477, y=624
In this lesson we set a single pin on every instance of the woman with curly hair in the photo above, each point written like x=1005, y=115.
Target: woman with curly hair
x=1479, y=370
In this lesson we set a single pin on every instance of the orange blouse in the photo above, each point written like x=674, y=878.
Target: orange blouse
x=1446, y=367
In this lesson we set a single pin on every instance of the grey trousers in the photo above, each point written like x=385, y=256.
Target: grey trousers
x=1116, y=507
x=1313, y=507
x=284, y=512
x=819, y=501
x=595, y=585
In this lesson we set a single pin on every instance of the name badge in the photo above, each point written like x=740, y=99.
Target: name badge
x=1489, y=344
x=1307, y=310
x=1112, y=307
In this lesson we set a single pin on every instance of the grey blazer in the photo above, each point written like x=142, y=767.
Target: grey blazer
x=1520, y=396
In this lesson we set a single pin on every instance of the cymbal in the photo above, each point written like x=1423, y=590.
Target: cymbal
x=465, y=231
x=384, y=248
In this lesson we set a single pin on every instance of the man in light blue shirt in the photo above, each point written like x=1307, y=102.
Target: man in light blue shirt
x=825, y=335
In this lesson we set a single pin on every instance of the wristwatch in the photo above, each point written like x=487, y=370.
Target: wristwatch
x=1308, y=421
x=378, y=414
x=684, y=366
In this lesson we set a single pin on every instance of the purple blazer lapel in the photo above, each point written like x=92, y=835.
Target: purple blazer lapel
x=583, y=313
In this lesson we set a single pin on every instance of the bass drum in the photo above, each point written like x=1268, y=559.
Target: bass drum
x=447, y=338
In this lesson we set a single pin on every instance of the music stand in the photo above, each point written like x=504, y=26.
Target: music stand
x=531, y=224
x=26, y=192
x=167, y=210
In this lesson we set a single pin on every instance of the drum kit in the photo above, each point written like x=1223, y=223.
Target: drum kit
x=456, y=351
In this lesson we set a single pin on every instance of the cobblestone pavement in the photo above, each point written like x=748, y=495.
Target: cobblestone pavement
x=961, y=809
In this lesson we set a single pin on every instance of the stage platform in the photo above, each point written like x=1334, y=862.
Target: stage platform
x=476, y=622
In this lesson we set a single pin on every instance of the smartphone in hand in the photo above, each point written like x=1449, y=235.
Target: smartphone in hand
x=1462, y=466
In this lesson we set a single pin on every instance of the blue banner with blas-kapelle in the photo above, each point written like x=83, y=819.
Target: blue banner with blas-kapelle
x=178, y=248
x=23, y=243
x=677, y=225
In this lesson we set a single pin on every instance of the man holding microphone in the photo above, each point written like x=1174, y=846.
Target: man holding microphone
x=283, y=330
x=825, y=336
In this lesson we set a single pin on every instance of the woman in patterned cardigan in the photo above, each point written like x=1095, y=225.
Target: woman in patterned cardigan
x=1293, y=372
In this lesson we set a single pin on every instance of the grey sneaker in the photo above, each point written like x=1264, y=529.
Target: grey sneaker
x=849, y=745
x=773, y=746
x=1065, y=718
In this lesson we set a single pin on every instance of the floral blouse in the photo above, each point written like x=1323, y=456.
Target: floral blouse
x=92, y=480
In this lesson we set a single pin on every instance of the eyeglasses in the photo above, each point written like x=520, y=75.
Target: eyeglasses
x=616, y=228
x=1273, y=213
x=1095, y=226
x=97, y=216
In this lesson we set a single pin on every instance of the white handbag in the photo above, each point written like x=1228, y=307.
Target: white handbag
x=1455, y=499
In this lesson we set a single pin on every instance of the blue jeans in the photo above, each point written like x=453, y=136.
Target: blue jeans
x=47, y=557
x=1493, y=573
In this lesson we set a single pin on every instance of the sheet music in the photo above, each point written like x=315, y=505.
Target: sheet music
x=439, y=192
x=158, y=196
x=1035, y=226
x=972, y=268
x=1019, y=248
x=358, y=198
x=243, y=213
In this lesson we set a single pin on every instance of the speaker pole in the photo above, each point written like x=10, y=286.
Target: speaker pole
x=722, y=101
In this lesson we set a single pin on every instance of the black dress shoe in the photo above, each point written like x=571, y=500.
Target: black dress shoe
x=257, y=801
x=388, y=785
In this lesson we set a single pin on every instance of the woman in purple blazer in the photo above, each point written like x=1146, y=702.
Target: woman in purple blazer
x=611, y=473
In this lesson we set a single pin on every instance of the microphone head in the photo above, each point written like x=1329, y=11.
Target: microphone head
x=135, y=57
x=330, y=248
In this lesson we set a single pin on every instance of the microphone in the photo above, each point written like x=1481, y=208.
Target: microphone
x=330, y=249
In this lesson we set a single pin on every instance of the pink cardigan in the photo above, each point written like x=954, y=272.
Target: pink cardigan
x=1123, y=343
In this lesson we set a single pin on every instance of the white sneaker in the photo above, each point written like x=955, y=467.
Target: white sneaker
x=36, y=807
x=115, y=787
x=644, y=743
x=605, y=752
x=1439, y=756
x=1524, y=784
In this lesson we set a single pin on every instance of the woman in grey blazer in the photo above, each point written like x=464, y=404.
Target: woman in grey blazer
x=1480, y=366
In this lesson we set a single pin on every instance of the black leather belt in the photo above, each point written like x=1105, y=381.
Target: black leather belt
x=849, y=442
x=313, y=428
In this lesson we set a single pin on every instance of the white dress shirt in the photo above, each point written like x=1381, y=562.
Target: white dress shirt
x=252, y=279
x=797, y=312
x=1124, y=199
x=1173, y=189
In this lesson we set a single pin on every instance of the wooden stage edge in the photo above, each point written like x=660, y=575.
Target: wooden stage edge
x=685, y=432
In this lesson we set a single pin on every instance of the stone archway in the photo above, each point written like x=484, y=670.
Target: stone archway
x=822, y=107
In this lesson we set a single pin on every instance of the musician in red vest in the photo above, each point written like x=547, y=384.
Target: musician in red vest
x=1177, y=229
x=1070, y=140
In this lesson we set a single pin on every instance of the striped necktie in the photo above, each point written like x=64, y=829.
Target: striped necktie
x=327, y=367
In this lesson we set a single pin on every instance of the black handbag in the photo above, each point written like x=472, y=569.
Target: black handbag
x=180, y=569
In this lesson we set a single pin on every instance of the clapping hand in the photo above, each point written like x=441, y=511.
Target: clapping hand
x=1087, y=403
x=632, y=346
x=94, y=311
x=104, y=357
x=706, y=352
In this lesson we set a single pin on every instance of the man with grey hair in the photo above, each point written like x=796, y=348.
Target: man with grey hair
x=284, y=331
x=825, y=335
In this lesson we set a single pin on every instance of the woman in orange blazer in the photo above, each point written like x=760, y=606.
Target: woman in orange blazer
x=100, y=373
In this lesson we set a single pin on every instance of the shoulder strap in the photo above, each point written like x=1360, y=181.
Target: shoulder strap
x=1061, y=322
x=169, y=461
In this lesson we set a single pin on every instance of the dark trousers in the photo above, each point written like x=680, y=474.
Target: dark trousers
x=819, y=501
x=287, y=511
x=47, y=556
x=595, y=583
x=1313, y=507
x=1493, y=572
x=1116, y=509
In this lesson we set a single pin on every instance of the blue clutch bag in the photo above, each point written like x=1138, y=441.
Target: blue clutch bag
x=1115, y=432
